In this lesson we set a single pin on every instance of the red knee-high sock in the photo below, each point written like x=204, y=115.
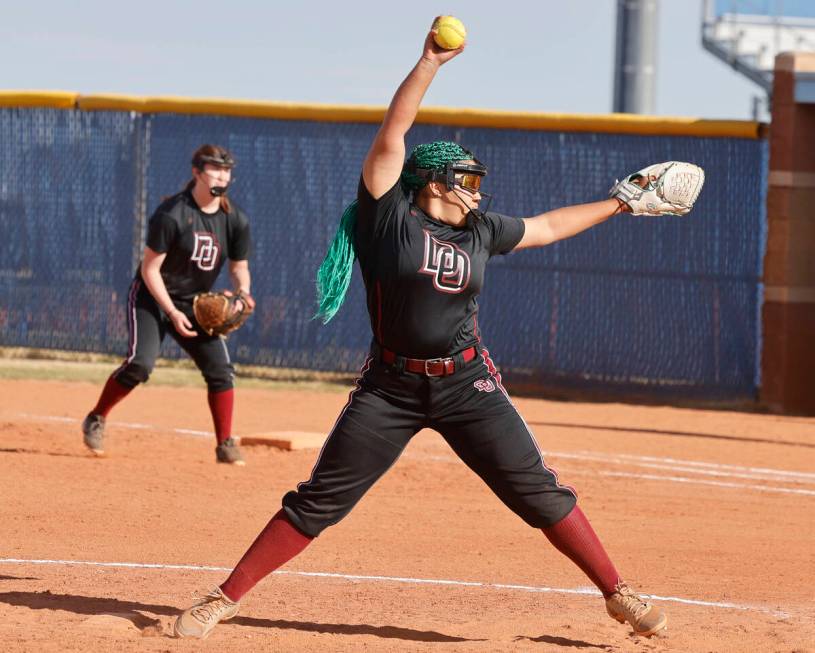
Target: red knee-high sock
x=112, y=394
x=220, y=405
x=278, y=543
x=574, y=537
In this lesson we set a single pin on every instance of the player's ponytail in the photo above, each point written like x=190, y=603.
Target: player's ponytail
x=334, y=275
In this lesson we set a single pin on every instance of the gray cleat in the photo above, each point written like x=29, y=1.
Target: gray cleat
x=93, y=430
x=229, y=452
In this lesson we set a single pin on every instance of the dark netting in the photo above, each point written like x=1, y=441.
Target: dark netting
x=67, y=188
x=661, y=306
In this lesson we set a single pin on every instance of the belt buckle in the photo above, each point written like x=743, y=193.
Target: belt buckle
x=430, y=361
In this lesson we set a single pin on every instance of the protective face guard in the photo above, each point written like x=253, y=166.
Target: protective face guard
x=224, y=161
x=469, y=178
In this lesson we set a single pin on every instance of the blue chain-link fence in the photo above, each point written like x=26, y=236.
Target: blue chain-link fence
x=666, y=307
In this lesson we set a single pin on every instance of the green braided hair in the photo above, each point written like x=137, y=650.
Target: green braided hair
x=334, y=275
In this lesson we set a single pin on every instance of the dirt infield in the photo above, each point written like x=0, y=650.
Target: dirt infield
x=714, y=512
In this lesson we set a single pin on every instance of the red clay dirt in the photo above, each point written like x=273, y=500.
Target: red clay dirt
x=712, y=510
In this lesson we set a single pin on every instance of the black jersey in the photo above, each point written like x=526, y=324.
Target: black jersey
x=196, y=243
x=422, y=277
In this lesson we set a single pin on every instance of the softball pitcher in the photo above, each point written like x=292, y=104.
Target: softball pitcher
x=422, y=245
x=189, y=237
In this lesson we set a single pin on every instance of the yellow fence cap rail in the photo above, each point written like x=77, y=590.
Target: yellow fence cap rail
x=111, y=102
x=230, y=107
x=613, y=123
x=452, y=116
x=46, y=99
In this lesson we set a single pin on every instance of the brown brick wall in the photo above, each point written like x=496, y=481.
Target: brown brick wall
x=788, y=315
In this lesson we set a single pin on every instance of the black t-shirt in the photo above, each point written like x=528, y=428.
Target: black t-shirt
x=422, y=277
x=196, y=243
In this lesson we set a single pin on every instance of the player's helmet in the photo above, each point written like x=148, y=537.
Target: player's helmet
x=447, y=163
x=213, y=154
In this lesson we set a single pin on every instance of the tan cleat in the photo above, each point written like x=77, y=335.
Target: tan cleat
x=199, y=620
x=624, y=605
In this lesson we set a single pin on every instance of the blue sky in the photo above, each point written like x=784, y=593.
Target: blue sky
x=543, y=55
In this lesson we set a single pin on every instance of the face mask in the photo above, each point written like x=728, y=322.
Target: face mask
x=467, y=176
x=222, y=161
x=218, y=191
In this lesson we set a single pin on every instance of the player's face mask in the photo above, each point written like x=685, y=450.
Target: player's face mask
x=223, y=162
x=217, y=191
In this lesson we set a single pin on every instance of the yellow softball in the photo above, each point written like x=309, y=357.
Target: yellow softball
x=450, y=32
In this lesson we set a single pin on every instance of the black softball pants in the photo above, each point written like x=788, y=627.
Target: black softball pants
x=471, y=411
x=147, y=327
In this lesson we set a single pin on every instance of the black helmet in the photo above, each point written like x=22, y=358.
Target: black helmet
x=214, y=155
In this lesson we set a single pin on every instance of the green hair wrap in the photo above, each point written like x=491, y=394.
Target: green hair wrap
x=334, y=275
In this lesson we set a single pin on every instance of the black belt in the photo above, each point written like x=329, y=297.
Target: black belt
x=428, y=366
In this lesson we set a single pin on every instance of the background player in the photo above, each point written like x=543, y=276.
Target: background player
x=423, y=264
x=189, y=237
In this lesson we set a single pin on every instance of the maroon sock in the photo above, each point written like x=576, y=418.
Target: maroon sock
x=574, y=537
x=112, y=394
x=278, y=543
x=220, y=404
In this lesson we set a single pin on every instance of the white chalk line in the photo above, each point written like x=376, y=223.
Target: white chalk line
x=696, y=481
x=401, y=579
x=713, y=469
x=579, y=456
x=124, y=425
x=695, y=463
x=647, y=477
x=707, y=469
x=670, y=464
x=621, y=458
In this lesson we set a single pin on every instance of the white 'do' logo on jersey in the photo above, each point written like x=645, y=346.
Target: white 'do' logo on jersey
x=205, y=250
x=446, y=263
